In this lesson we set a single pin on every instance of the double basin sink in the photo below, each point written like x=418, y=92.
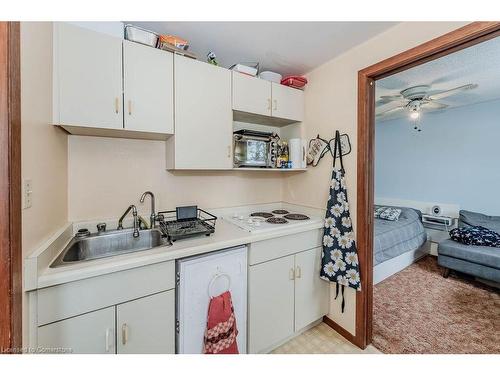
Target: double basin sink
x=107, y=244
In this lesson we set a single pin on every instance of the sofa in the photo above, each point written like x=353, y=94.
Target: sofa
x=479, y=261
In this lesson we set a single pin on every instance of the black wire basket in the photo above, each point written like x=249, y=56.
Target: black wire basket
x=177, y=225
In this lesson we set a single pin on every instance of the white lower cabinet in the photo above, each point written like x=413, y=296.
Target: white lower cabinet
x=270, y=303
x=147, y=325
x=93, y=332
x=311, y=293
x=129, y=311
x=285, y=295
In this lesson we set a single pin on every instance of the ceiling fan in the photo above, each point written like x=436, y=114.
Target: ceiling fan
x=414, y=99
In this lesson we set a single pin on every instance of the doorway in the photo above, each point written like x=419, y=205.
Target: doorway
x=464, y=37
x=10, y=189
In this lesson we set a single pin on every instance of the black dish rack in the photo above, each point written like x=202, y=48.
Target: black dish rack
x=185, y=222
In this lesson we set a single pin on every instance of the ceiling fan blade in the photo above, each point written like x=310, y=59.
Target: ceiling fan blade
x=444, y=94
x=386, y=99
x=434, y=105
x=389, y=98
x=389, y=111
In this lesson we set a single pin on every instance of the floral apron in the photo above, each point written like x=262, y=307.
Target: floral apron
x=339, y=262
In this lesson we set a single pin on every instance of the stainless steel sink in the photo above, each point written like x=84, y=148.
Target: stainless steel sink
x=107, y=244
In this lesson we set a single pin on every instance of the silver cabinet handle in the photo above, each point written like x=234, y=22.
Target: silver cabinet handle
x=292, y=274
x=117, y=105
x=298, y=272
x=124, y=333
x=109, y=333
x=130, y=107
x=275, y=104
x=269, y=104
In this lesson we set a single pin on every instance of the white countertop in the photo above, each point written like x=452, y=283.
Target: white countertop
x=226, y=235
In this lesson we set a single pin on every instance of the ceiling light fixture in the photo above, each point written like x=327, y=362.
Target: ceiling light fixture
x=414, y=115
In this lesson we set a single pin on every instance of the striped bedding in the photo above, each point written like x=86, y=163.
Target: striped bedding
x=393, y=238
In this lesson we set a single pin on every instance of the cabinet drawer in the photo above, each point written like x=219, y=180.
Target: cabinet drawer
x=78, y=297
x=279, y=247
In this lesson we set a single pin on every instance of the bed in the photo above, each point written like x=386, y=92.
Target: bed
x=397, y=244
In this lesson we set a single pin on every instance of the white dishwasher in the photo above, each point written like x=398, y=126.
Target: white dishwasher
x=199, y=277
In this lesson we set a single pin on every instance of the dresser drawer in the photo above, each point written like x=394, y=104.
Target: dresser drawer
x=263, y=251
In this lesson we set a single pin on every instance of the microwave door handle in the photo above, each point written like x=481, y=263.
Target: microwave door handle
x=254, y=138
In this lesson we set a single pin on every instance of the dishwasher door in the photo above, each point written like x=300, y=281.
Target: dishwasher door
x=194, y=276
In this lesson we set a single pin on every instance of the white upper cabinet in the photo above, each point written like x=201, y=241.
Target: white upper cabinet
x=203, y=117
x=251, y=95
x=288, y=103
x=87, y=78
x=254, y=96
x=148, y=82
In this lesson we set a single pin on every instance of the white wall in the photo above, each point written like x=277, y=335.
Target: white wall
x=331, y=103
x=454, y=159
x=44, y=150
x=106, y=175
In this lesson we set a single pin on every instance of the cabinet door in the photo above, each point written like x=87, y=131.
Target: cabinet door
x=203, y=115
x=251, y=94
x=288, y=103
x=92, y=333
x=311, y=293
x=147, y=325
x=270, y=303
x=148, y=82
x=88, y=77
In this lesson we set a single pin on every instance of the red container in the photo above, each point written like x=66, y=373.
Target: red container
x=297, y=82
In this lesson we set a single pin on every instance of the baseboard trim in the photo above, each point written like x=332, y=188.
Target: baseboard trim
x=342, y=331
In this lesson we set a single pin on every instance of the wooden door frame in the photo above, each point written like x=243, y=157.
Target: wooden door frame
x=10, y=189
x=461, y=38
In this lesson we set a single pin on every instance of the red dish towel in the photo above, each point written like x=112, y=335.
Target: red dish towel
x=221, y=332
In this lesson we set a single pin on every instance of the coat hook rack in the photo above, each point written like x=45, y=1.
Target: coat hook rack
x=318, y=147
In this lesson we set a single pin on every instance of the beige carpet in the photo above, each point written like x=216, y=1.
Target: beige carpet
x=321, y=339
x=419, y=311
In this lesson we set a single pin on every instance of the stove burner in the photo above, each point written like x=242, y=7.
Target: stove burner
x=277, y=220
x=280, y=212
x=296, y=217
x=262, y=214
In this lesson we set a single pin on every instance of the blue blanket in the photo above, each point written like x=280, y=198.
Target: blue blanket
x=393, y=238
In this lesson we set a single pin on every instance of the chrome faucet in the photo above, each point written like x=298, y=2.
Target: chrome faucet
x=136, y=220
x=152, y=217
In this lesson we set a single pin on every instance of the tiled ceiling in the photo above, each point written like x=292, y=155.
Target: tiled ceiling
x=284, y=47
x=479, y=64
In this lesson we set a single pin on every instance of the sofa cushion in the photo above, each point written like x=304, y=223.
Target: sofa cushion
x=487, y=256
x=469, y=218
